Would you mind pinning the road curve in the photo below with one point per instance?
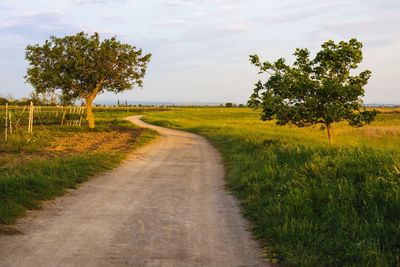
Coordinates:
(164, 206)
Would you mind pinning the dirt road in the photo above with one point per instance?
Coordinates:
(164, 206)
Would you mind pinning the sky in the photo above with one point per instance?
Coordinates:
(201, 48)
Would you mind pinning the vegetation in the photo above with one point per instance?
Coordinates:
(311, 203)
(82, 66)
(40, 166)
(314, 91)
(35, 98)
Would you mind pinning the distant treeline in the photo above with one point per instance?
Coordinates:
(56, 100)
(38, 99)
(23, 102)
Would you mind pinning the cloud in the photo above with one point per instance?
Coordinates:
(375, 31)
(80, 2)
(303, 14)
(230, 8)
(211, 33)
(34, 26)
(4, 7)
(373, 26)
(200, 15)
(172, 22)
(113, 19)
(238, 26)
(226, 4)
(382, 5)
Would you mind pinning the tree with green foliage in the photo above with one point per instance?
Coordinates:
(3, 101)
(83, 66)
(322, 90)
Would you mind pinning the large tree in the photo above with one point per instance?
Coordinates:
(82, 66)
(322, 90)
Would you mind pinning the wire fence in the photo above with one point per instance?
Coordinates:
(24, 118)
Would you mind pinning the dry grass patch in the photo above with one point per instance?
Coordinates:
(375, 131)
(74, 143)
(94, 142)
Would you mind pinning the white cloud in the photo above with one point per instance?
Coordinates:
(173, 22)
(230, 8)
(79, 2)
(33, 25)
(375, 31)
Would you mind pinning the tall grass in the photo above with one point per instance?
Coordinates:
(311, 203)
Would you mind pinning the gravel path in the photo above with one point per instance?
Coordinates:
(164, 206)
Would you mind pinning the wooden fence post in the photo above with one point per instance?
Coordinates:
(63, 116)
(82, 113)
(5, 131)
(30, 124)
(33, 111)
(9, 113)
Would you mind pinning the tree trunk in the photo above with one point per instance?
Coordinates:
(89, 104)
(89, 112)
(328, 128)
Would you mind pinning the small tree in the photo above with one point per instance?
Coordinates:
(82, 66)
(312, 91)
(3, 101)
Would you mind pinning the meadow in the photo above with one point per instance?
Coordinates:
(311, 203)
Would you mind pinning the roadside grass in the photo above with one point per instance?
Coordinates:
(32, 171)
(311, 203)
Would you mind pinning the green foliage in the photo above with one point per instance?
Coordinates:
(320, 90)
(80, 63)
(3, 101)
(20, 102)
(311, 203)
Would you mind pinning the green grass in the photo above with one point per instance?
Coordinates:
(311, 203)
(25, 186)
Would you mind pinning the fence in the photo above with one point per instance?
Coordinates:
(24, 118)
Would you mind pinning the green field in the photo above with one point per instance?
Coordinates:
(311, 203)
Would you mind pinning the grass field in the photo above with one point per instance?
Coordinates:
(311, 203)
(40, 166)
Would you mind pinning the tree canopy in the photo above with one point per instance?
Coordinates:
(82, 66)
(313, 91)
